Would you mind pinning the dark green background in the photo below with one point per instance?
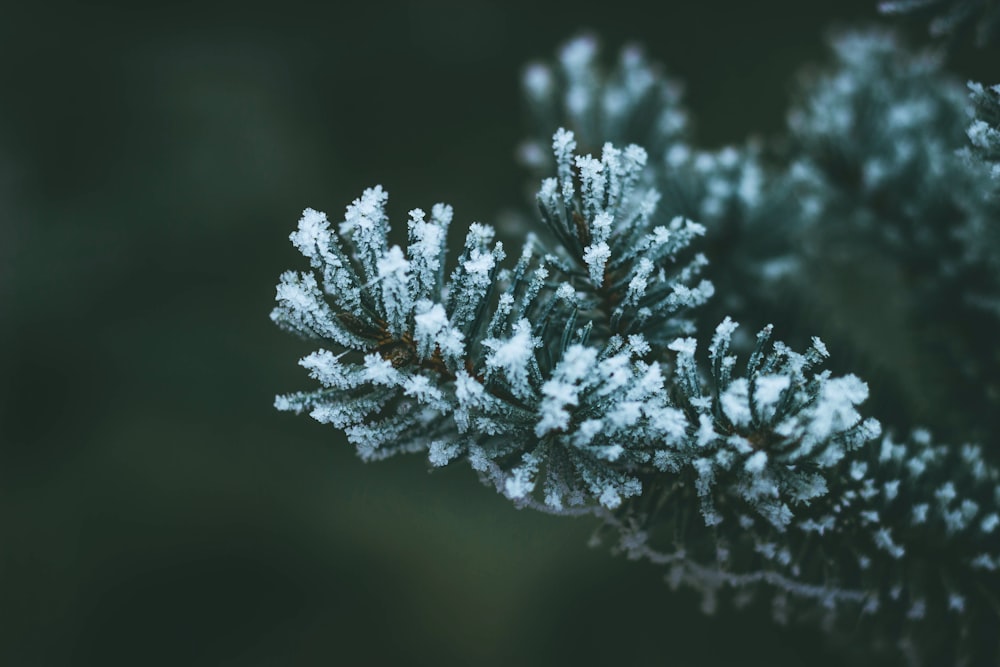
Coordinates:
(154, 508)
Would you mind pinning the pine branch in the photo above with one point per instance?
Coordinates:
(570, 378)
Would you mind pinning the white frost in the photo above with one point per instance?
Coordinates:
(513, 356)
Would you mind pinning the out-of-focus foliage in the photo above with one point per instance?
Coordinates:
(952, 17)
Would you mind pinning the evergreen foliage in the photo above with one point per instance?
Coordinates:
(886, 198)
(984, 131)
(570, 377)
(950, 17)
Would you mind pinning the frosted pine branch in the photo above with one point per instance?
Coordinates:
(890, 542)
(539, 368)
(570, 378)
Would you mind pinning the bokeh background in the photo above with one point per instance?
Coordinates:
(154, 508)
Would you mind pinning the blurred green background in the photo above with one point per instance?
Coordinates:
(154, 508)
